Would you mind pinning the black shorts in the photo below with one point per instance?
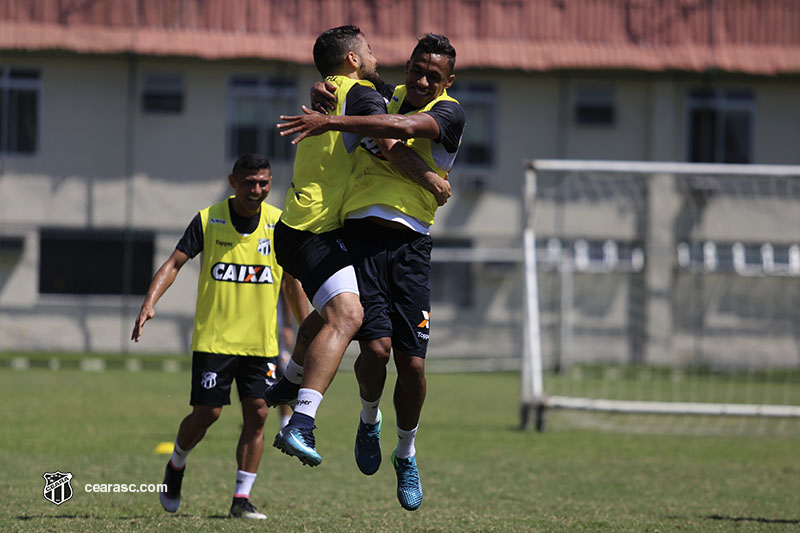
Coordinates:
(393, 267)
(213, 375)
(310, 257)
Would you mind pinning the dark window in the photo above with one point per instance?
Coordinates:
(480, 106)
(162, 93)
(255, 104)
(91, 261)
(594, 106)
(19, 110)
(451, 280)
(720, 126)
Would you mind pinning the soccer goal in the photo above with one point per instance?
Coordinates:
(661, 289)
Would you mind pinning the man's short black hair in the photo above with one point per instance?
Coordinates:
(433, 43)
(331, 48)
(249, 164)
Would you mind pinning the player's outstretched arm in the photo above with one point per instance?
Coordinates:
(414, 168)
(161, 282)
(376, 126)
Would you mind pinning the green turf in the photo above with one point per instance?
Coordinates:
(479, 472)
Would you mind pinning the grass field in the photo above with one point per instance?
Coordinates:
(480, 473)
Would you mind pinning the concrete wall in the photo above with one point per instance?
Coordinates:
(99, 153)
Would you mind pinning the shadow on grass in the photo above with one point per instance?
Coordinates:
(758, 519)
(86, 516)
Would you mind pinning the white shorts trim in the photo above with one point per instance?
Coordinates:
(342, 281)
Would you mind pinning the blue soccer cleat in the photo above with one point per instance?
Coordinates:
(298, 442)
(368, 446)
(282, 392)
(409, 486)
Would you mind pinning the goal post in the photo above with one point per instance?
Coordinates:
(673, 289)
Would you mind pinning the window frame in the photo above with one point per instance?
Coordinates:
(8, 83)
(595, 96)
(163, 84)
(264, 88)
(54, 240)
(478, 93)
(722, 101)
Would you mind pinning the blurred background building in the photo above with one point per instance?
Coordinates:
(119, 119)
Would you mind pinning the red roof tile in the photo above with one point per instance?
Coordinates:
(750, 36)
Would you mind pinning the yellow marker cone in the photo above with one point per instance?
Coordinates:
(164, 448)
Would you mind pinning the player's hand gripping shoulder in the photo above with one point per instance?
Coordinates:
(323, 97)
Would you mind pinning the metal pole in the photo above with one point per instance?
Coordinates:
(531, 368)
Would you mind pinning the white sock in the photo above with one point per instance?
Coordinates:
(370, 414)
(285, 420)
(405, 443)
(179, 456)
(308, 401)
(244, 483)
(293, 372)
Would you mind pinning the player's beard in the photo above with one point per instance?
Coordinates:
(372, 76)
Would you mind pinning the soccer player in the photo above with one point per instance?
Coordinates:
(387, 227)
(235, 324)
(308, 238)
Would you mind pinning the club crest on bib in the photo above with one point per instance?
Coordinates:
(264, 246)
(208, 380)
(57, 487)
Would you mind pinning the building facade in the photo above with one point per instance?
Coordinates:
(121, 118)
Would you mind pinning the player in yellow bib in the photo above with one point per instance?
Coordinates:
(235, 324)
(387, 223)
(308, 238)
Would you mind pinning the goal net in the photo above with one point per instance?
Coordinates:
(659, 290)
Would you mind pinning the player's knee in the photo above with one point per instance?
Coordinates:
(205, 415)
(410, 369)
(379, 350)
(348, 317)
(254, 412)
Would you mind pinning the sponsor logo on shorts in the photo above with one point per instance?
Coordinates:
(423, 336)
(208, 380)
(241, 273)
(213, 220)
(223, 243)
(264, 246)
(340, 242)
(271, 369)
(426, 319)
(57, 487)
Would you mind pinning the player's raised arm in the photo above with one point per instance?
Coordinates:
(392, 126)
(162, 281)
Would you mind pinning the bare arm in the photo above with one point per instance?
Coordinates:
(414, 168)
(376, 126)
(161, 282)
(295, 297)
